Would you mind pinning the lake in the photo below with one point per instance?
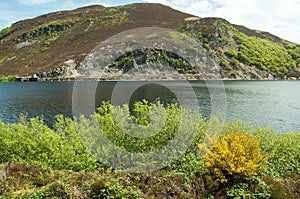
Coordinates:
(263, 103)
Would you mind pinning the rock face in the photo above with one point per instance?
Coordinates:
(67, 71)
(152, 64)
(54, 46)
(293, 75)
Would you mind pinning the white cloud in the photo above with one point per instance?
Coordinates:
(7, 16)
(279, 17)
(36, 2)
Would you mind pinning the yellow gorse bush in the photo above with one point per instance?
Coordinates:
(232, 156)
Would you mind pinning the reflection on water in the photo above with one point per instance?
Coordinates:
(264, 103)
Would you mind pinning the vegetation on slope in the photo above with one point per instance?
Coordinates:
(264, 54)
(234, 47)
(6, 31)
(48, 41)
(53, 163)
(294, 51)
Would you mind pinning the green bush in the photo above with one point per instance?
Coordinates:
(252, 188)
(234, 62)
(264, 54)
(283, 149)
(224, 63)
(131, 131)
(37, 144)
(294, 51)
(5, 32)
(231, 53)
(235, 156)
(10, 78)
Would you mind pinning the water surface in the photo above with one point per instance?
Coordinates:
(264, 103)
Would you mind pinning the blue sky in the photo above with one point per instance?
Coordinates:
(280, 17)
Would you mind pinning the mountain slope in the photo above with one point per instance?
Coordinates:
(48, 44)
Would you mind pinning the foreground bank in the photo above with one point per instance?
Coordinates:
(43, 162)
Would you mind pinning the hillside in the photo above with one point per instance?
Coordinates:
(54, 45)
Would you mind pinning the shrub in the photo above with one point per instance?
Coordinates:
(253, 187)
(283, 149)
(233, 73)
(111, 188)
(231, 53)
(224, 63)
(243, 58)
(232, 157)
(131, 131)
(9, 78)
(265, 54)
(35, 143)
(6, 31)
(234, 62)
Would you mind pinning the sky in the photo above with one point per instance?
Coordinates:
(279, 17)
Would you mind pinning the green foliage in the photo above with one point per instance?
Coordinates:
(264, 54)
(231, 53)
(235, 156)
(47, 32)
(6, 31)
(50, 27)
(244, 190)
(10, 78)
(224, 63)
(284, 152)
(294, 51)
(131, 130)
(216, 35)
(37, 144)
(234, 62)
(113, 189)
(243, 58)
(233, 73)
(111, 16)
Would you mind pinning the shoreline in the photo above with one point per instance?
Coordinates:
(154, 80)
(139, 80)
(162, 78)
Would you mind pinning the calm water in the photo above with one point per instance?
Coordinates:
(264, 103)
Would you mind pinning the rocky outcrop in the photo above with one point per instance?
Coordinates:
(52, 46)
(293, 75)
(149, 64)
(45, 30)
(66, 71)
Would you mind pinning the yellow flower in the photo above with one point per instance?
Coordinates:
(233, 156)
